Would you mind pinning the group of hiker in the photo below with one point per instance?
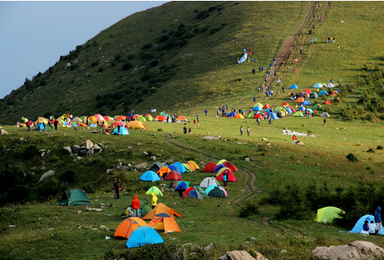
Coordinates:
(373, 227)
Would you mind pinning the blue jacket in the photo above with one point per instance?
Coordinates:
(378, 215)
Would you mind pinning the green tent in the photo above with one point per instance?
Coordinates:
(141, 119)
(201, 190)
(251, 115)
(317, 106)
(145, 207)
(75, 197)
(298, 113)
(328, 214)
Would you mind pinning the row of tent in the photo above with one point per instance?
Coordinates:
(329, 214)
(211, 185)
(317, 85)
(173, 171)
(139, 233)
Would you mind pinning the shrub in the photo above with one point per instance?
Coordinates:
(370, 150)
(127, 65)
(147, 46)
(202, 15)
(88, 188)
(101, 69)
(379, 147)
(152, 252)
(94, 64)
(117, 57)
(351, 157)
(154, 63)
(249, 208)
(163, 38)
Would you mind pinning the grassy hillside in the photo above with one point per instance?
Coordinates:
(188, 55)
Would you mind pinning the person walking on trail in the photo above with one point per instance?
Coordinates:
(116, 188)
(154, 200)
(206, 112)
(301, 50)
(197, 117)
(135, 206)
(325, 121)
(248, 131)
(241, 130)
(295, 69)
(274, 61)
(378, 220)
(294, 139)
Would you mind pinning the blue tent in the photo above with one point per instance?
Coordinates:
(301, 109)
(180, 166)
(306, 103)
(218, 167)
(182, 186)
(268, 110)
(274, 116)
(359, 224)
(293, 86)
(195, 194)
(123, 131)
(175, 168)
(289, 110)
(232, 114)
(142, 236)
(322, 93)
(257, 108)
(149, 176)
(40, 127)
(318, 85)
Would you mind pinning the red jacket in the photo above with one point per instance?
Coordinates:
(135, 203)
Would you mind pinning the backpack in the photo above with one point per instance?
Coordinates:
(119, 185)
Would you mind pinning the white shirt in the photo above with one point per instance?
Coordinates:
(372, 228)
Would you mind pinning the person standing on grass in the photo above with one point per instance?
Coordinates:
(116, 188)
(248, 131)
(135, 206)
(325, 121)
(194, 123)
(197, 117)
(241, 130)
(225, 179)
(258, 121)
(206, 112)
(378, 220)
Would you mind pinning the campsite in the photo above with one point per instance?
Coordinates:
(281, 199)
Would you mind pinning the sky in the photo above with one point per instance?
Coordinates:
(33, 35)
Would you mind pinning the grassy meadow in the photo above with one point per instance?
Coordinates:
(321, 159)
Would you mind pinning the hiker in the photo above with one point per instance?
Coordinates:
(270, 120)
(225, 179)
(154, 200)
(118, 128)
(325, 121)
(55, 123)
(338, 47)
(282, 89)
(254, 71)
(28, 125)
(116, 188)
(190, 131)
(294, 139)
(135, 206)
(301, 50)
(258, 121)
(378, 220)
(365, 230)
(315, 40)
(197, 117)
(241, 130)
(295, 69)
(194, 123)
(372, 228)
(248, 131)
(185, 130)
(274, 61)
(206, 112)
(254, 99)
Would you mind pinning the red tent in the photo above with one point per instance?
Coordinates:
(259, 115)
(187, 191)
(327, 102)
(230, 166)
(173, 176)
(210, 167)
(230, 175)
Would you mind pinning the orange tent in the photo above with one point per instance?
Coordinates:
(85, 125)
(119, 118)
(136, 125)
(239, 116)
(163, 170)
(108, 118)
(335, 93)
(135, 117)
(161, 118)
(164, 222)
(92, 118)
(181, 118)
(161, 208)
(300, 100)
(327, 102)
(308, 91)
(128, 225)
(194, 165)
(285, 104)
(266, 106)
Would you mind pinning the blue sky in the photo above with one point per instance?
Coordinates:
(33, 35)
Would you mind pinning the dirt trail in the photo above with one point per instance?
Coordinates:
(288, 50)
(251, 188)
